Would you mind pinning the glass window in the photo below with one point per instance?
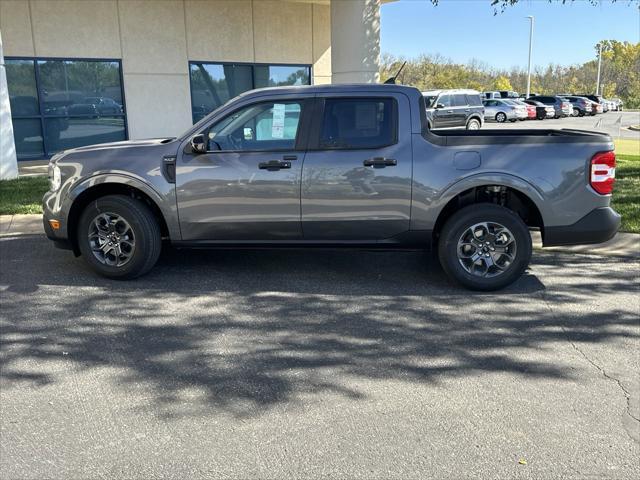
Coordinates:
(358, 123)
(213, 84)
(28, 137)
(21, 81)
(82, 104)
(80, 87)
(460, 100)
(446, 100)
(278, 76)
(260, 126)
(474, 100)
(71, 132)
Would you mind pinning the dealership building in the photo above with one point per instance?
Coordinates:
(81, 72)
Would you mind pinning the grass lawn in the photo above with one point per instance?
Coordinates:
(626, 192)
(23, 195)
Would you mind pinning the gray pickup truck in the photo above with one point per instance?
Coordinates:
(344, 165)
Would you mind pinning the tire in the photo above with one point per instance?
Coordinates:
(513, 120)
(501, 117)
(137, 237)
(458, 228)
(473, 124)
(576, 113)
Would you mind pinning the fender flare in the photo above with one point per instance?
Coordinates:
(169, 213)
(493, 178)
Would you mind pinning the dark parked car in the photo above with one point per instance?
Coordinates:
(597, 99)
(562, 107)
(542, 111)
(454, 108)
(509, 94)
(339, 165)
(105, 105)
(581, 106)
(87, 109)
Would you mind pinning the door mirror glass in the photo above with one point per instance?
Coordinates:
(248, 133)
(199, 144)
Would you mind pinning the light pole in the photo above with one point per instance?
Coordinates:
(530, 17)
(599, 65)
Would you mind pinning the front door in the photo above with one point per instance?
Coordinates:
(443, 116)
(356, 178)
(247, 185)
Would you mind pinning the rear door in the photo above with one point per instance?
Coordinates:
(461, 110)
(356, 177)
(247, 185)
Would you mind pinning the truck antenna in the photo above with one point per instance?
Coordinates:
(392, 80)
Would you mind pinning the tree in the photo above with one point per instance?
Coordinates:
(504, 4)
(502, 83)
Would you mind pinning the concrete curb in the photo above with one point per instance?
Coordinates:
(622, 245)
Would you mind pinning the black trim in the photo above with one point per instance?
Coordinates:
(597, 226)
(410, 240)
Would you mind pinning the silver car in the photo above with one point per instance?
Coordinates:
(500, 110)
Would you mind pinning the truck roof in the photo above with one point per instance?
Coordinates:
(467, 91)
(334, 88)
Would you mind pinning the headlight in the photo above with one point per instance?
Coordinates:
(55, 178)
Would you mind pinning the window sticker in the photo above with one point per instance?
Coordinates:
(277, 124)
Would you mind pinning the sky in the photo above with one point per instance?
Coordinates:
(467, 29)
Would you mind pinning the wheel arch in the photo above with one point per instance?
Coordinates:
(510, 192)
(97, 187)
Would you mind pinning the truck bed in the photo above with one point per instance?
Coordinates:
(494, 136)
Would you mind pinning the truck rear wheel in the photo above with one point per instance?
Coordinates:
(119, 237)
(484, 247)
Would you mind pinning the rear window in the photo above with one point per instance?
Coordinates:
(474, 100)
(459, 100)
(358, 123)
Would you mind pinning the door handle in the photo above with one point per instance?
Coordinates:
(449, 111)
(380, 162)
(274, 165)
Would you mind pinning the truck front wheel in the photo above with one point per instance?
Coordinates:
(119, 237)
(484, 247)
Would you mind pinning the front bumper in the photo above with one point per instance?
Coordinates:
(597, 226)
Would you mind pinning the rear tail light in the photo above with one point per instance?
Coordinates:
(603, 172)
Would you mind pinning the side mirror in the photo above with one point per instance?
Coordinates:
(199, 144)
(440, 105)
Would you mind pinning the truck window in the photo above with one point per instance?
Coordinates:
(358, 123)
(260, 126)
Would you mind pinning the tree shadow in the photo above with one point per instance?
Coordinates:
(241, 331)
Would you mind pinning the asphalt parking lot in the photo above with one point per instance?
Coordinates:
(613, 123)
(324, 363)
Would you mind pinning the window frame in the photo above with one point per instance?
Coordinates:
(42, 117)
(299, 144)
(253, 75)
(318, 121)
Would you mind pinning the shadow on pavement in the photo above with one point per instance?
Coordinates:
(252, 329)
